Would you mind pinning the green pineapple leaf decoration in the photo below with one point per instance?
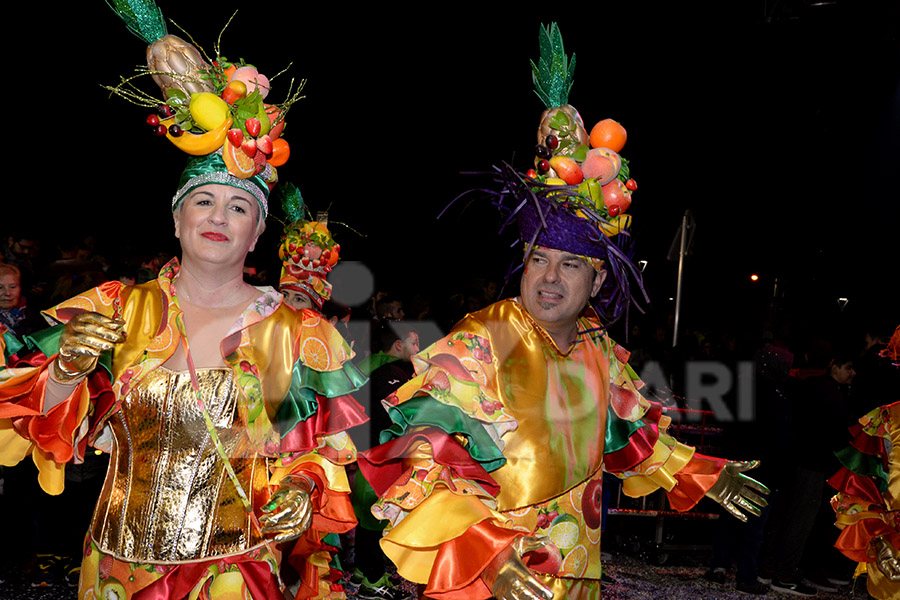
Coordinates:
(554, 73)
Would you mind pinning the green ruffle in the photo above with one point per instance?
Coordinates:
(866, 465)
(47, 341)
(618, 431)
(424, 411)
(11, 344)
(301, 401)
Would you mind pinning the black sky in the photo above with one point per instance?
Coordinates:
(774, 123)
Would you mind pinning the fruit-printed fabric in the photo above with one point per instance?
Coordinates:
(501, 434)
(868, 500)
(288, 380)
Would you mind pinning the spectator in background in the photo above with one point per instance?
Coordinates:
(389, 367)
(15, 314)
(389, 308)
(820, 413)
(877, 380)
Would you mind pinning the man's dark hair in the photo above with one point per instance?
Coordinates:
(386, 333)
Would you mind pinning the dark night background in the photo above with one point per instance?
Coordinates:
(774, 123)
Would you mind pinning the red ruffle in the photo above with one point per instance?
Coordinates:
(640, 444)
(865, 443)
(456, 574)
(383, 465)
(181, 579)
(333, 416)
(855, 485)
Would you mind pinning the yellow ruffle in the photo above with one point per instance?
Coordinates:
(664, 463)
(336, 475)
(414, 542)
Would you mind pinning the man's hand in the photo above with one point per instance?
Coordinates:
(509, 579)
(83, 339)
(886, 558)
(289, 512)
(737, 492)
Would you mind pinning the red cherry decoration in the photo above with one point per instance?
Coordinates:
(631, 184)
(175, 130)
(160, 130)
(166, 111)
(552, 142)
(543, 165)
(152, 120)
(613, 211)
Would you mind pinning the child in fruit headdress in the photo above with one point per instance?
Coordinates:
(491, 475)
(224, 410)
(308, 253)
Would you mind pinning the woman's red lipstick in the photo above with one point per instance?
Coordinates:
(214, 236)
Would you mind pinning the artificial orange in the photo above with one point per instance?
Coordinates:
(281, 151)
(608, 134)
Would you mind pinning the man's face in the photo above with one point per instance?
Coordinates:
(394, 311)
(410, 346)
(556, 286)
(844, 373)
(23, 247)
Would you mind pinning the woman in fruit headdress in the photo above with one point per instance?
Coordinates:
(491, 474)
(308, 253)
(224, 410)
(867, 504)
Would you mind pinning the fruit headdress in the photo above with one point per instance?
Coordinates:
(308, 251)
(213, 109)
(576, 197)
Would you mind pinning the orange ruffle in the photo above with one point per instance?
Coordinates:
(694, 480)
(456, 574)
(332, 510)
(854, 539)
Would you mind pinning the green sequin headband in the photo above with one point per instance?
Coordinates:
(203, 170)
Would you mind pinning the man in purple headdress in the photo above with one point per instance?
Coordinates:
(496, 455)
(491, 475)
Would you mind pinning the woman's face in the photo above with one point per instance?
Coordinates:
(217, 224)
(10, 291)
(297, 300)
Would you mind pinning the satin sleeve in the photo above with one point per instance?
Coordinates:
(61, 435)
(639, 450)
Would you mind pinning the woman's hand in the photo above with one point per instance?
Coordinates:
(510, 579)
(289, 512)
(83, 339)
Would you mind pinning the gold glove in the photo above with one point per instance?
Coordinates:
(510, 579)
(83, 339)
(289, 512)
(735, 491)
(886, 558)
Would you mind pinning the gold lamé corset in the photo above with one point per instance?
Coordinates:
(167, 496)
